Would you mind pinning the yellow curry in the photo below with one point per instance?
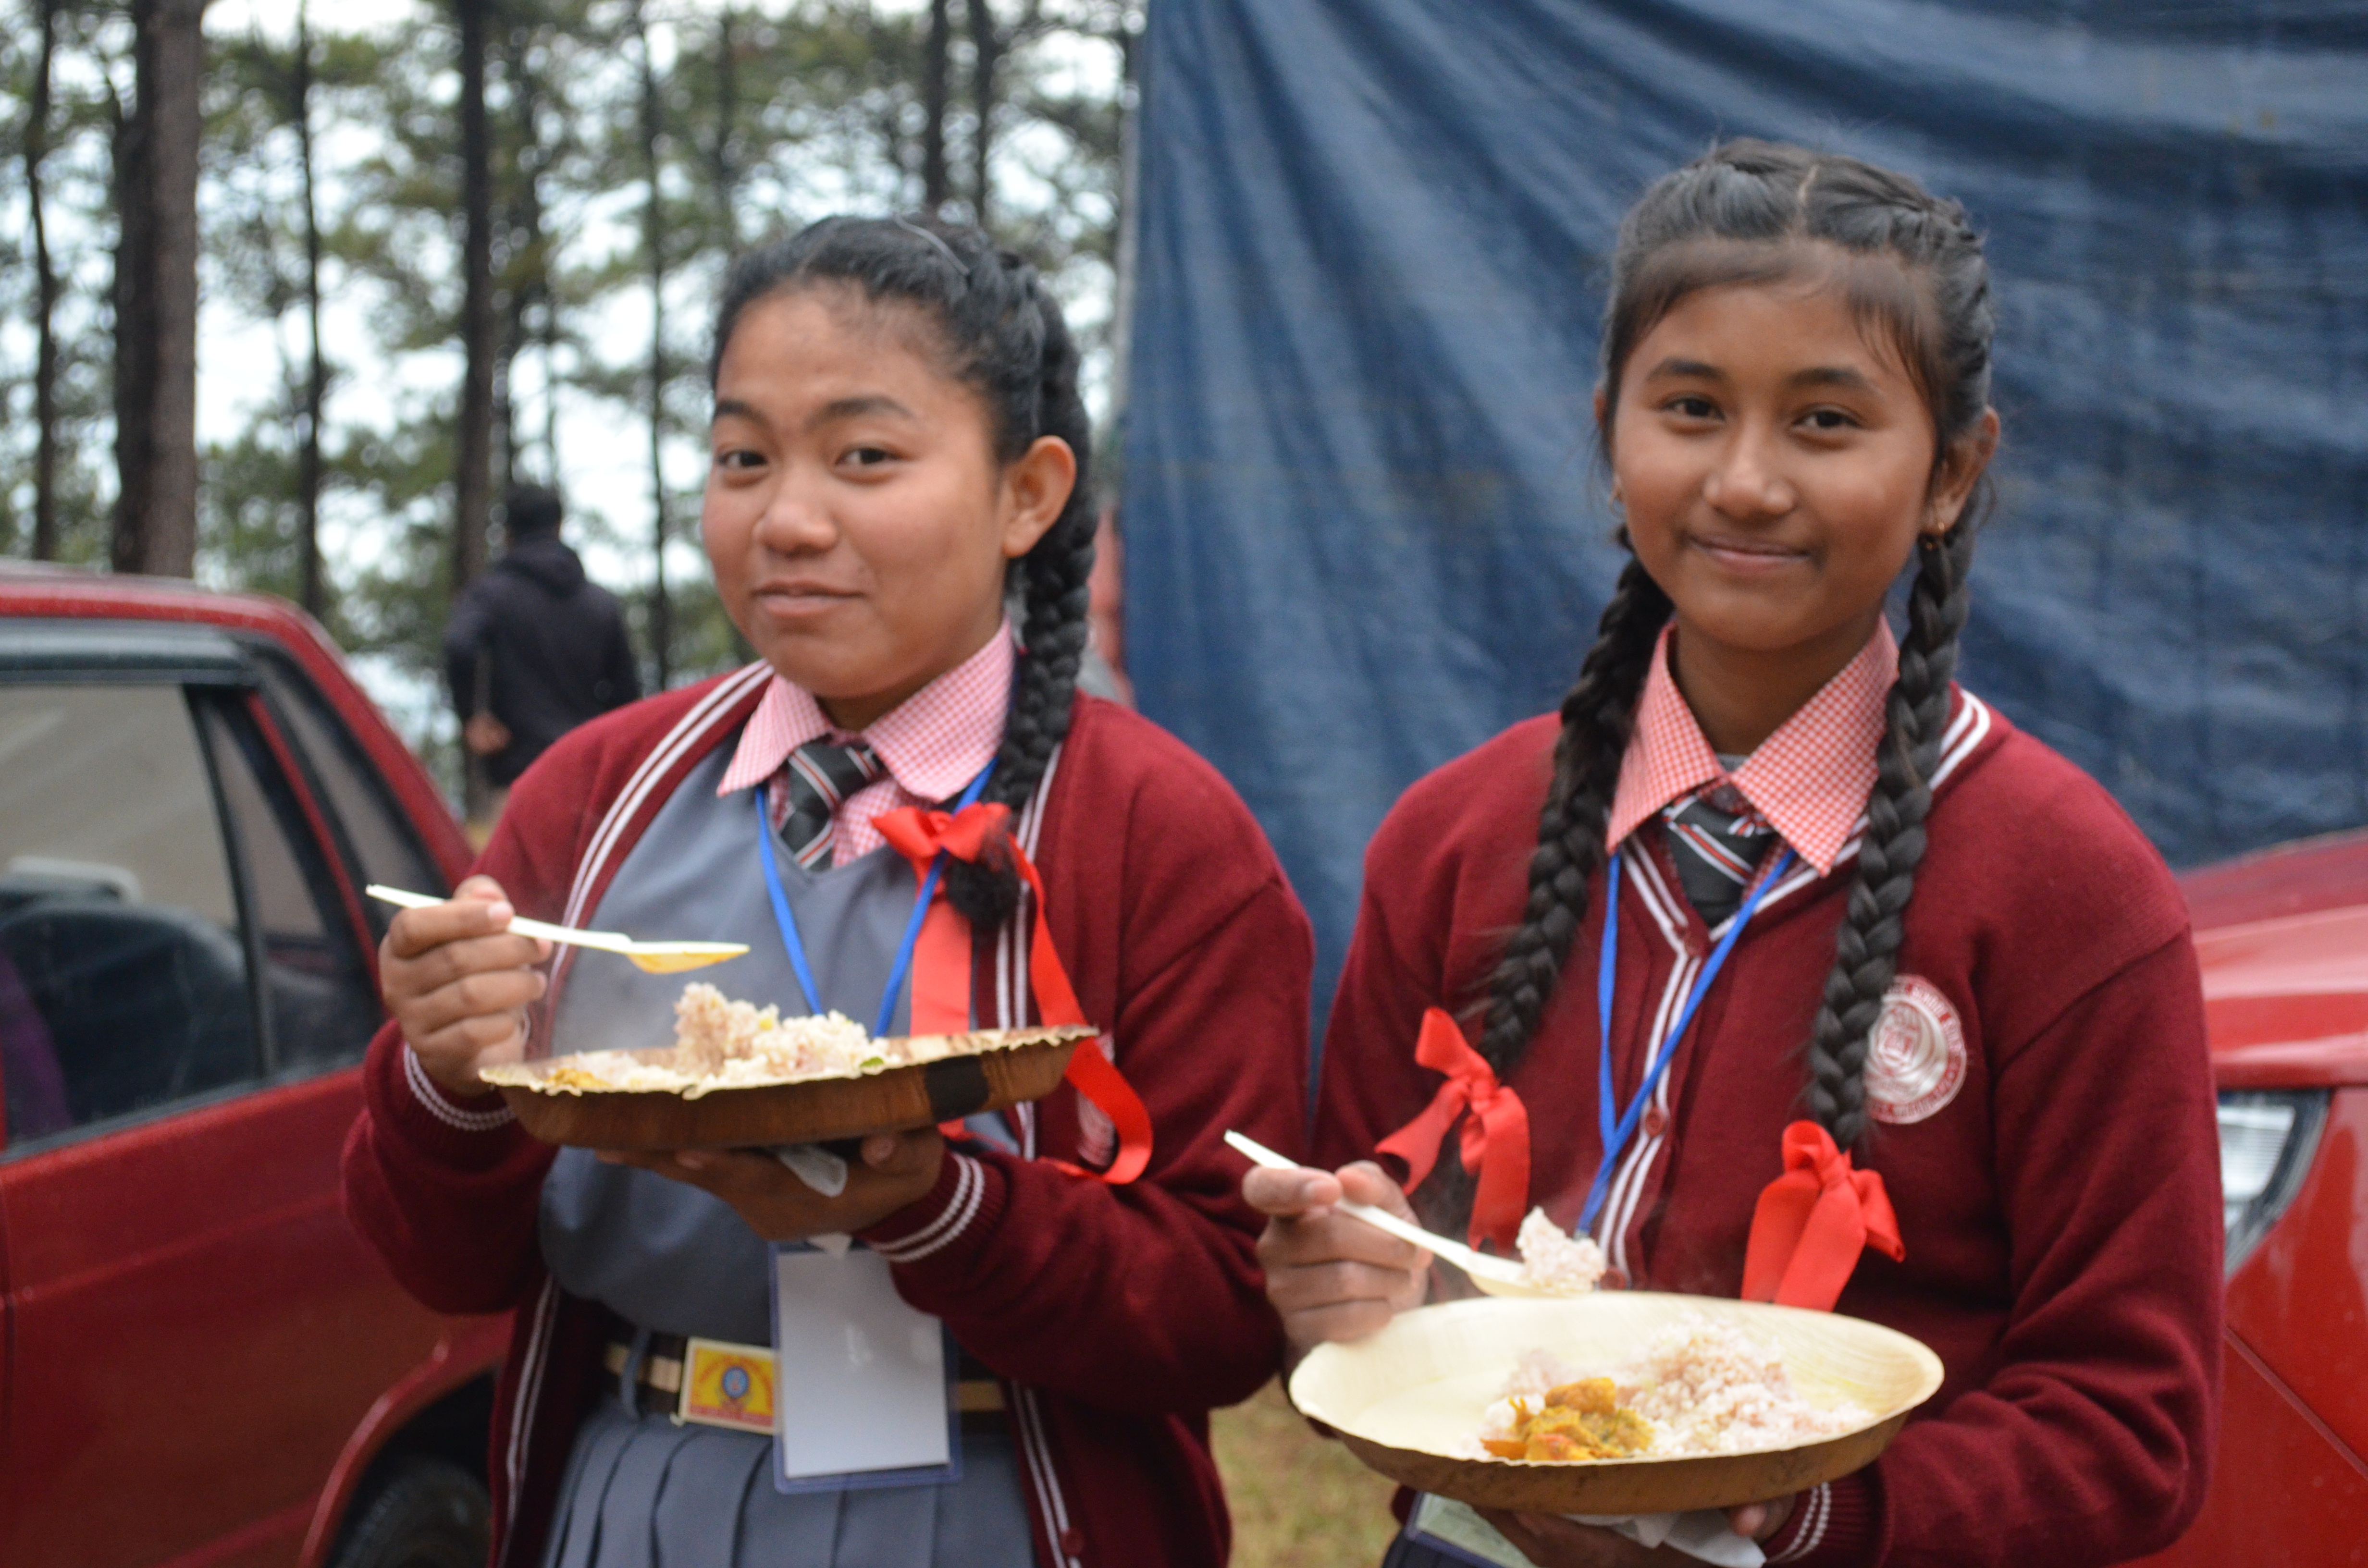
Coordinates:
(1578, 1420)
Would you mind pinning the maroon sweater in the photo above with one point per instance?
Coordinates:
(1116, 1316)
(2061, 1213)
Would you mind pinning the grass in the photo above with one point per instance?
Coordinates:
(1299, 1501)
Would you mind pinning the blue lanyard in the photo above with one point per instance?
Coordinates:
(1617, 1133)
(788, 921)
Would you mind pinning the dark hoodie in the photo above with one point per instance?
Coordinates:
(553, 649)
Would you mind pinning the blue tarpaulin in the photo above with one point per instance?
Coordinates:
(1365, 524)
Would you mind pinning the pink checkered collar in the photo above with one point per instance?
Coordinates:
(1810, 778)
(934, 742)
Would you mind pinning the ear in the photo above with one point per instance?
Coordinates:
(1036, 487)
(1962, 467)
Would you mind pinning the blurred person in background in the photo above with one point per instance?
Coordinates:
(534, 647)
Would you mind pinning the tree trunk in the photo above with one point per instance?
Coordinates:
(937, 187)
(527, 274)
(45, 301)
(157, 295)
(723, 158)
(654, 242)
(986, 55)
(1127, 256)
(316, 373)
(473, 481)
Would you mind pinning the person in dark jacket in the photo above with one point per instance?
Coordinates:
(534, 648)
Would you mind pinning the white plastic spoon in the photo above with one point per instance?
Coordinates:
(655, 958)
(1497, 1275)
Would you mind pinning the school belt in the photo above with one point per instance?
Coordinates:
(660, 1381)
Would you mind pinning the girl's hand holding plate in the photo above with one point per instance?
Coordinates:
(460, 984)
(1331, 1276)
(892, 1171)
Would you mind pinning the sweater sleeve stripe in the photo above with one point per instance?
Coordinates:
(436, 1103)
(1814, 1511)
(962, 1207)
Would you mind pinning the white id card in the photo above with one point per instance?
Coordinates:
(864, 1395)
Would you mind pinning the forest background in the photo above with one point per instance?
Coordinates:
(419, 250)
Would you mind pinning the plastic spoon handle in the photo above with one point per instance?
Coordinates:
(608, 941)
(1479, 1265)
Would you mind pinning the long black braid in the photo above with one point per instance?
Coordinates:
(1003, 335)
(1596, 718)
(1866, 950)
(1755, 211)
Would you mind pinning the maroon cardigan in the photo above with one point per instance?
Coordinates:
(1116, 1316)
(2061, 1214)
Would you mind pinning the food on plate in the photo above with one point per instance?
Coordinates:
(1699, 1387)
(722, 1044)
(1555, 1261)
(713, 1036)
(1578, 1420)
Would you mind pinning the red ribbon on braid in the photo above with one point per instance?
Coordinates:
(1495, 1139)
(1812, 1222)
(981, 830)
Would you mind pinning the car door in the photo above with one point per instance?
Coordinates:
(184, 986)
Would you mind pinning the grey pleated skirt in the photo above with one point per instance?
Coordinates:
(641, 1492)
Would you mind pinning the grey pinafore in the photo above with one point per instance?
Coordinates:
(641, 1492)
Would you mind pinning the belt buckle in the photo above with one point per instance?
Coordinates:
(726, 1385)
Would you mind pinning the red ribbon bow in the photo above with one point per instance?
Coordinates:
(976, 830)
(1812, 1222)
(918, 835)
(1495, 1138)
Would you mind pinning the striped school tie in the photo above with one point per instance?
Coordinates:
(815, 782)
(1718, 842)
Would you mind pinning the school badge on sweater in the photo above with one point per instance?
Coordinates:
(1915, 1063)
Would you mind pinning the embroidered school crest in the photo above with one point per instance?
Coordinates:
(1918, 1062)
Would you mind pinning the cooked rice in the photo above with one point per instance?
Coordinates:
(722, 1044)
(1556, 1261)
(1706, 1386)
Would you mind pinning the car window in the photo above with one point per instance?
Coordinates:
(123, 975)
(320, 998)
(379, 838)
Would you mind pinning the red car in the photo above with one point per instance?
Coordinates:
(203, 1364)
(2283, 937)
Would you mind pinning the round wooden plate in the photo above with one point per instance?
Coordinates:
(958, 1075)
(1408, 1400)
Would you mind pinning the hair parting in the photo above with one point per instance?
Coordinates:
(1002, 334)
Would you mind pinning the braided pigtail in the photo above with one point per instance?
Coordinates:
(1053, 580)
(1866, 950)
(1596, 716)
(1001, 333)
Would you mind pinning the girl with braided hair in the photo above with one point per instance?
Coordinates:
(899, 453)
(1775, 920)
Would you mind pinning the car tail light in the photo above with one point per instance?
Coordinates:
(2267, 1140)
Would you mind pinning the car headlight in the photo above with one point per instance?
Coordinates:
(2267, 1138)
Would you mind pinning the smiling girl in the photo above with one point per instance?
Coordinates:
(898, 443)
(1772, 895)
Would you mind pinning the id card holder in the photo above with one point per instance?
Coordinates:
(1453, 1531)
(864, 1395)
